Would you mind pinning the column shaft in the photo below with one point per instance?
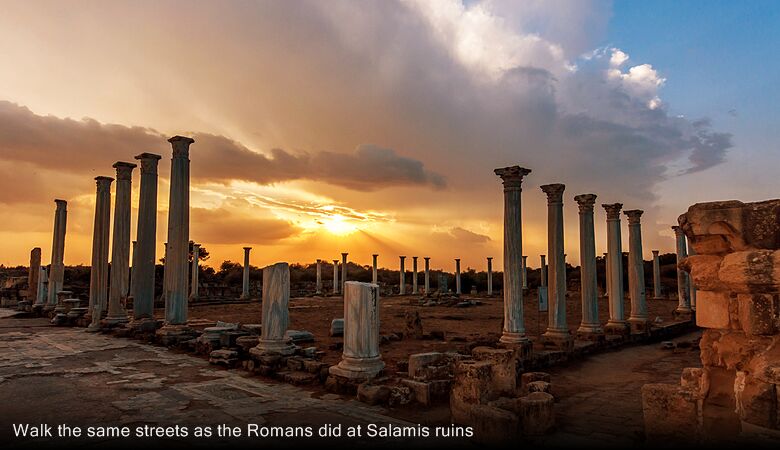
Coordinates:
(636, 273)
(414, 275)
(402, 277)
(57, 269)
(361, 358)
(489, 276)
(617, 322)
(656, 275)
(335, 277)
(589, 283)
(457, 277)
(343, 270)
(245, 278)
(374, 273)
(319, 277)
(194, 292)
(98, 273)
(683, 289)
(427, 275)
(120, 248)
(557, 328)
(275, 311)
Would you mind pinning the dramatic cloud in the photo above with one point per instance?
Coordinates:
(224, 226)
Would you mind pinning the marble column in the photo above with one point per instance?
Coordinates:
(245, 278)
(178, 233)
(120, 248)
(98, 272)
(133, 265)
(514, 326)
(275, 312)
(402, 277)
(335, 277)
(319, 277)
(683, 286)
(489, 276)
(57, 269)
(414, 275)
(557, 329)
(589, 326)
(606, 275)
(543, 271)
(361, 359)
(343, 270)
(691, 286)
(636, 273)
(42, 283)
(617, 323)
(525, 272)
(656, 276)
(194, 292)
(32, 275)
(457, 277)
(374, 273)
(146, 235)
(427, 275)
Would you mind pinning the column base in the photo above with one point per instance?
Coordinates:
(558, 339)
(358, 368)
(114, 320)
(279, 347)
(174, 334)
(590, 332)
(683, 313)
(143, 325)
(639, 325)
(510, 337)
(619, 327)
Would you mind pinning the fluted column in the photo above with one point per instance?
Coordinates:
(691, 285)
(178, 232)
(275, 311)
(636, 273)
(343, 270)
(194, 292)
(335, 277)
(514, 326)
(414, 275)
(319, 277)
(525, 272)
(457, 276)
(120, 248)
(489, 276)
(374, 272)
(146, 235)
(245, 278)
(427, 275)
(98, 273)
(557, 329)
(543, 271)
(402, 277)
(683, 287)
(589, 326)
(617, 322)
(361, 359)
(57, 269)
(656, 276)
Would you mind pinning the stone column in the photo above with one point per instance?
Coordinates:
(133, 265)
(42, 283)
(691, 285)
(98, 272)
(120, 248)
(525, 272)
(514, 326)
(32, 275)
(683, 287)
(343, 270)
(636, 274)
(319, 277)
(414, 275)
(245, 279)
(490, 276)
(57, 269)
(335, 277)
(589, 326)
(276, 300)
(427, 275)
(617, 323)
(557, 333)
(606, 276)
(146, 235)
(543, 271)
(402, 278)
(178, 233)
(194, 288)
(361, 359)
(457, 276)
(166, 283)
(374, 273)
(656, 276)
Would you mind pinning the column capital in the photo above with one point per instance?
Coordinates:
(103, 183)
(655, 252)
(427, 258)
(61, 203)
(375, 255)
(319, 261)
(181, 146)
(414, 258)
(148, 162)
(402, 257)
(195, 245)
(335, 261)
(489, 257)
(512, 176)
(634, 216)
(677, 230)
(585, 202)
(457, 259)
(613, 210)
(344, 255)
(246, 249)
(124, 170)
(554, 192)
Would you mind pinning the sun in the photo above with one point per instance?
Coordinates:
(338, 225)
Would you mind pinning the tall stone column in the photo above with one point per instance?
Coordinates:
(617, 323)
(319, 277)
(178, 233)
(98, 272)
(146, 235)
(543, 271)
(636, 274)
(194, 292)
(525, 272)
(457, 276)
(489, 276)
(414, 275)
(656, 276)
(120, 249)
(335, 277)
(275, 310)
(402, 278)
(691, 285)
(606, 276)
(245, 278)
(343, 270)
(683, 288)
(57, 269)
(361, 359)
(514, 326)
(374, 273)
(557, 333)
(589, 326)
(32, 275)
(427, 275)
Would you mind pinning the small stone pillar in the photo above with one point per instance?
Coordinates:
(245, 278)
(43, 281)
(276, 300)
(98, 272)
(427, 275)
(636, 274)
(374, 272)
(514, 326)
(525, 272)
(120, 248)
(656, 276)
(57, 269)
(32, 275)
(146, 235)
(402, 277)
(590, 327)
(335, 277)
(318, 288)
(683, 310)
(194, 294)
(557, 333)
(490, 275)
(343, 270)
(361, 359)
(457, 277)
(414, 276)
(617, 323)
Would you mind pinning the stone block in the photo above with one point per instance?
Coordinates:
(670, 413)
(712, 309)
(757, 313)
(473, 381)
(748, 271)
(337, 327)
(756, 401)
(529, 377)
(491, 424)
(539, 386)
(691, 379)
(503, 368)
(537, 413)
(373, 395)
(418, 361)
(704, 271)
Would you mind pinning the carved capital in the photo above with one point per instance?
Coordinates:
(512, 176)
(124, 170)
(181, 146)
(554, 192)
(613, 210)
(103, 183)
(148, 162)
(585, 202)
(634, 216)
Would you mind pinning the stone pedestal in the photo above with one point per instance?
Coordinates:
(590, 324)
(276, 300)
(361, 358)
(636, 274)
(245, 278)
(120, 249)
(617, 323)
(146, 236)
(557, 333)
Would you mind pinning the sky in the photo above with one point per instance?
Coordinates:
(374, 127)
